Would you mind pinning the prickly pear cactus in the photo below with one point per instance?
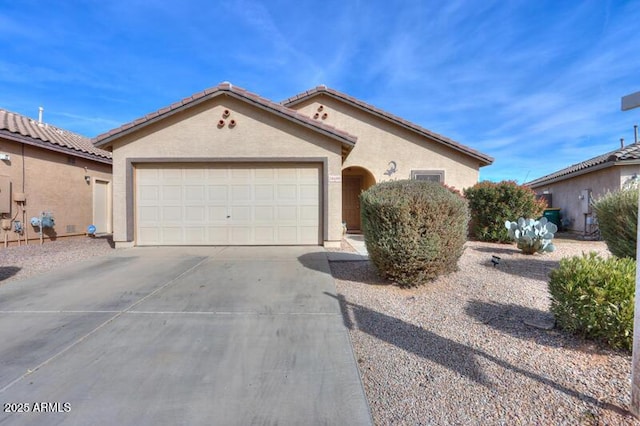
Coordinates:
(532, 236)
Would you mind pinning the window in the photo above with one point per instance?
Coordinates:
(428, 175)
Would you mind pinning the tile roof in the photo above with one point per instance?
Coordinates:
(620, 155)
(486, 159)
(237, 92)
(24, 129)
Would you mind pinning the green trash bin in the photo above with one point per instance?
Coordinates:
(553, 216)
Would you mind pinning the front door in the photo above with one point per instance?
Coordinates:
(101, 206)
(351, 188)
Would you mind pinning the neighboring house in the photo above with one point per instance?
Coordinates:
(227, 167)
(47, 169)
(573, 188)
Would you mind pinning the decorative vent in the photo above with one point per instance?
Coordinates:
(71, 160)
(71, 229)
(428, 175)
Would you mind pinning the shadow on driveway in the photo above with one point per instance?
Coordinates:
(8, 272)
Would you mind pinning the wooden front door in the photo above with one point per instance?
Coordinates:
(351, 188)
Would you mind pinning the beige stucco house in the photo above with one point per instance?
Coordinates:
(573, 188)
(47, 169)
(228, 167)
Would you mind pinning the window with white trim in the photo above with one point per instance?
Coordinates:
(428, 175)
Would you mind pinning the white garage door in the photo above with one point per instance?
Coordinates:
(232, 204)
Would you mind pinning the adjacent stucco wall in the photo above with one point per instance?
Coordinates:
(381, 141)
(194, 133)
(53, 182)
(566, 194)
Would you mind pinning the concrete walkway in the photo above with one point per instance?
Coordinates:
(357, 242)
(194, 336)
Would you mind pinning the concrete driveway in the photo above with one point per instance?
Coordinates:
(167, 336)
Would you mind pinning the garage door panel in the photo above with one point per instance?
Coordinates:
(149, 193)
(241, 175)
(218, 213)
(148, 176)
(240, 193)
(240, 235)
(233, 204)
(218, 235)
(309, 214)
(308, 175)
(195, 213)
(287, 192)
(171, 235)
(194, 175)
(264, 214)
(149, 233)
(194, 193)
(171, 193)
(287, 174)
(265, 234)
(287, 213)
(288, 234)
(264, 174)
(148, 214)
(308, 234)
(171, 214)
(240, 214)
(264, 192)
(309, 193)
(218, 194)
(171, 174)
(197, 235)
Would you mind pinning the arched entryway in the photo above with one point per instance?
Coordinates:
(354, 180)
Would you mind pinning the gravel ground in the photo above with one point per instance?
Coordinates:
(475, 347)
(19, 262)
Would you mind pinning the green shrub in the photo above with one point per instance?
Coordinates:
(414, 230)
(617, 214)
(594, 297)
(492, 204)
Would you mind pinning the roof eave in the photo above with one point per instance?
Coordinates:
(107, 141)
(485, 160)
(15, 137)
(595, 168)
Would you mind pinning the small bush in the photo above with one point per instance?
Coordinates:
(414, 230)
(594, 297)
(617, 214)
(492, 204)
(532, 236)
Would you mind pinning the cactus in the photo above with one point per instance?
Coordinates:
(532, 236)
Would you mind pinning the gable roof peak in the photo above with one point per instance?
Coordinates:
(230, 90)
(371, 109)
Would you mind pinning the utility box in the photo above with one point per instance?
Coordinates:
(5, 195)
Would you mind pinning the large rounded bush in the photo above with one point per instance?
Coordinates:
(414, 230)
(594, 297)
(492, 204)
(617, 214)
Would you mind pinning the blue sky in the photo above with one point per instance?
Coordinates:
(535, 84)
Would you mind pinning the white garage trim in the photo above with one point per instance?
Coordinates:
(248, 221)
